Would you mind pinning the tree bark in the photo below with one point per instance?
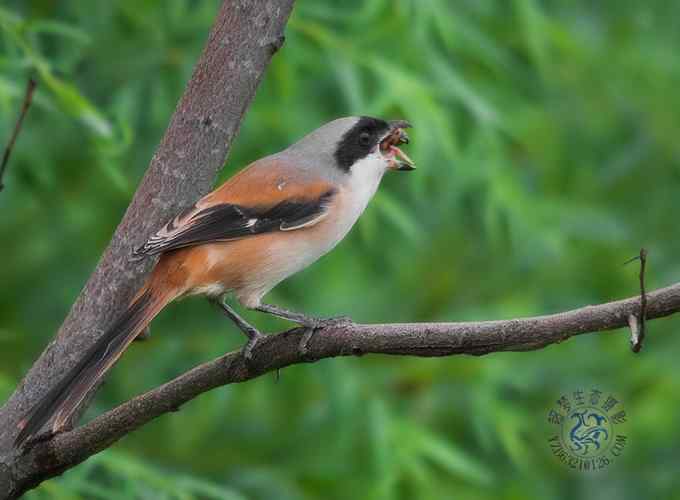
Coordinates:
(240, 45)
(68, 449)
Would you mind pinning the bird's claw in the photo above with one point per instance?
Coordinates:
(337, 321)
(315, 324)
(247, 350)
(303, 346)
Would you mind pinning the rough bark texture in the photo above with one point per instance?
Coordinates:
(65, 450)
(241, 43)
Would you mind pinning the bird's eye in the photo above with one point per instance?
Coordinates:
(364, 138)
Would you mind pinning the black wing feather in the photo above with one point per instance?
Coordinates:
(226, 221)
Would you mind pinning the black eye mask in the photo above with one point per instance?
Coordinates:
(358, 142)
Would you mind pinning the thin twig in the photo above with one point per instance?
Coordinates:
(28, 98)
(637, 323)
(636, 346)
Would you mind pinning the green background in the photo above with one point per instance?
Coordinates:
(546, 133)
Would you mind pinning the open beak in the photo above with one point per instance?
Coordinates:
(389, 146)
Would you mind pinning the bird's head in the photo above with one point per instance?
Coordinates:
(360, 142)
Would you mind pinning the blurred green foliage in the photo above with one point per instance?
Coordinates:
(547, 138)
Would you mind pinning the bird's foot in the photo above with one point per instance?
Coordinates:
(311, 323)
(336, 321)
(315, 324)
(253, 334)
(303, 346)
(254, 337)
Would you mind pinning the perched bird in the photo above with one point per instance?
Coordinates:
(272, 219)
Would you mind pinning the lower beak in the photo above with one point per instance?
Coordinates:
(402, 166)
(400, 160)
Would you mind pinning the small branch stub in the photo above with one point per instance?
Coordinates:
(634, 326)
(637, 322)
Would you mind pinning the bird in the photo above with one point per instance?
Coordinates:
(272, 219)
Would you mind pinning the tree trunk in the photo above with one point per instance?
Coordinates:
(241, 43)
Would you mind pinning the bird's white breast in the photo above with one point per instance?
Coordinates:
(347, 206)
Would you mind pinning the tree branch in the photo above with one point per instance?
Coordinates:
(65, 450)
(241, 43)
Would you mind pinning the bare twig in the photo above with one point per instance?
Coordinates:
(28, 98)
(638, 323)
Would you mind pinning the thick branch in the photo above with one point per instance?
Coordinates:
(242, 41)
(344, 339)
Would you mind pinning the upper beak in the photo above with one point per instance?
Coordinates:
(396, 137)
(400, 124)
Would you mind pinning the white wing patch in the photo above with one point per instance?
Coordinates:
(304, 223)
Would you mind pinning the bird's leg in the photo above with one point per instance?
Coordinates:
(302, 319)
(310, 322)
(248, 330)
(295, 317)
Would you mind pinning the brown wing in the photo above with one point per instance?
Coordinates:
(267, 196)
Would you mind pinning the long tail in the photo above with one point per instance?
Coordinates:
(62, 400)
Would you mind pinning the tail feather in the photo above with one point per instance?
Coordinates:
(64, 398)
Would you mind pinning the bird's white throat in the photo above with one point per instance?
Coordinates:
(364, 179)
